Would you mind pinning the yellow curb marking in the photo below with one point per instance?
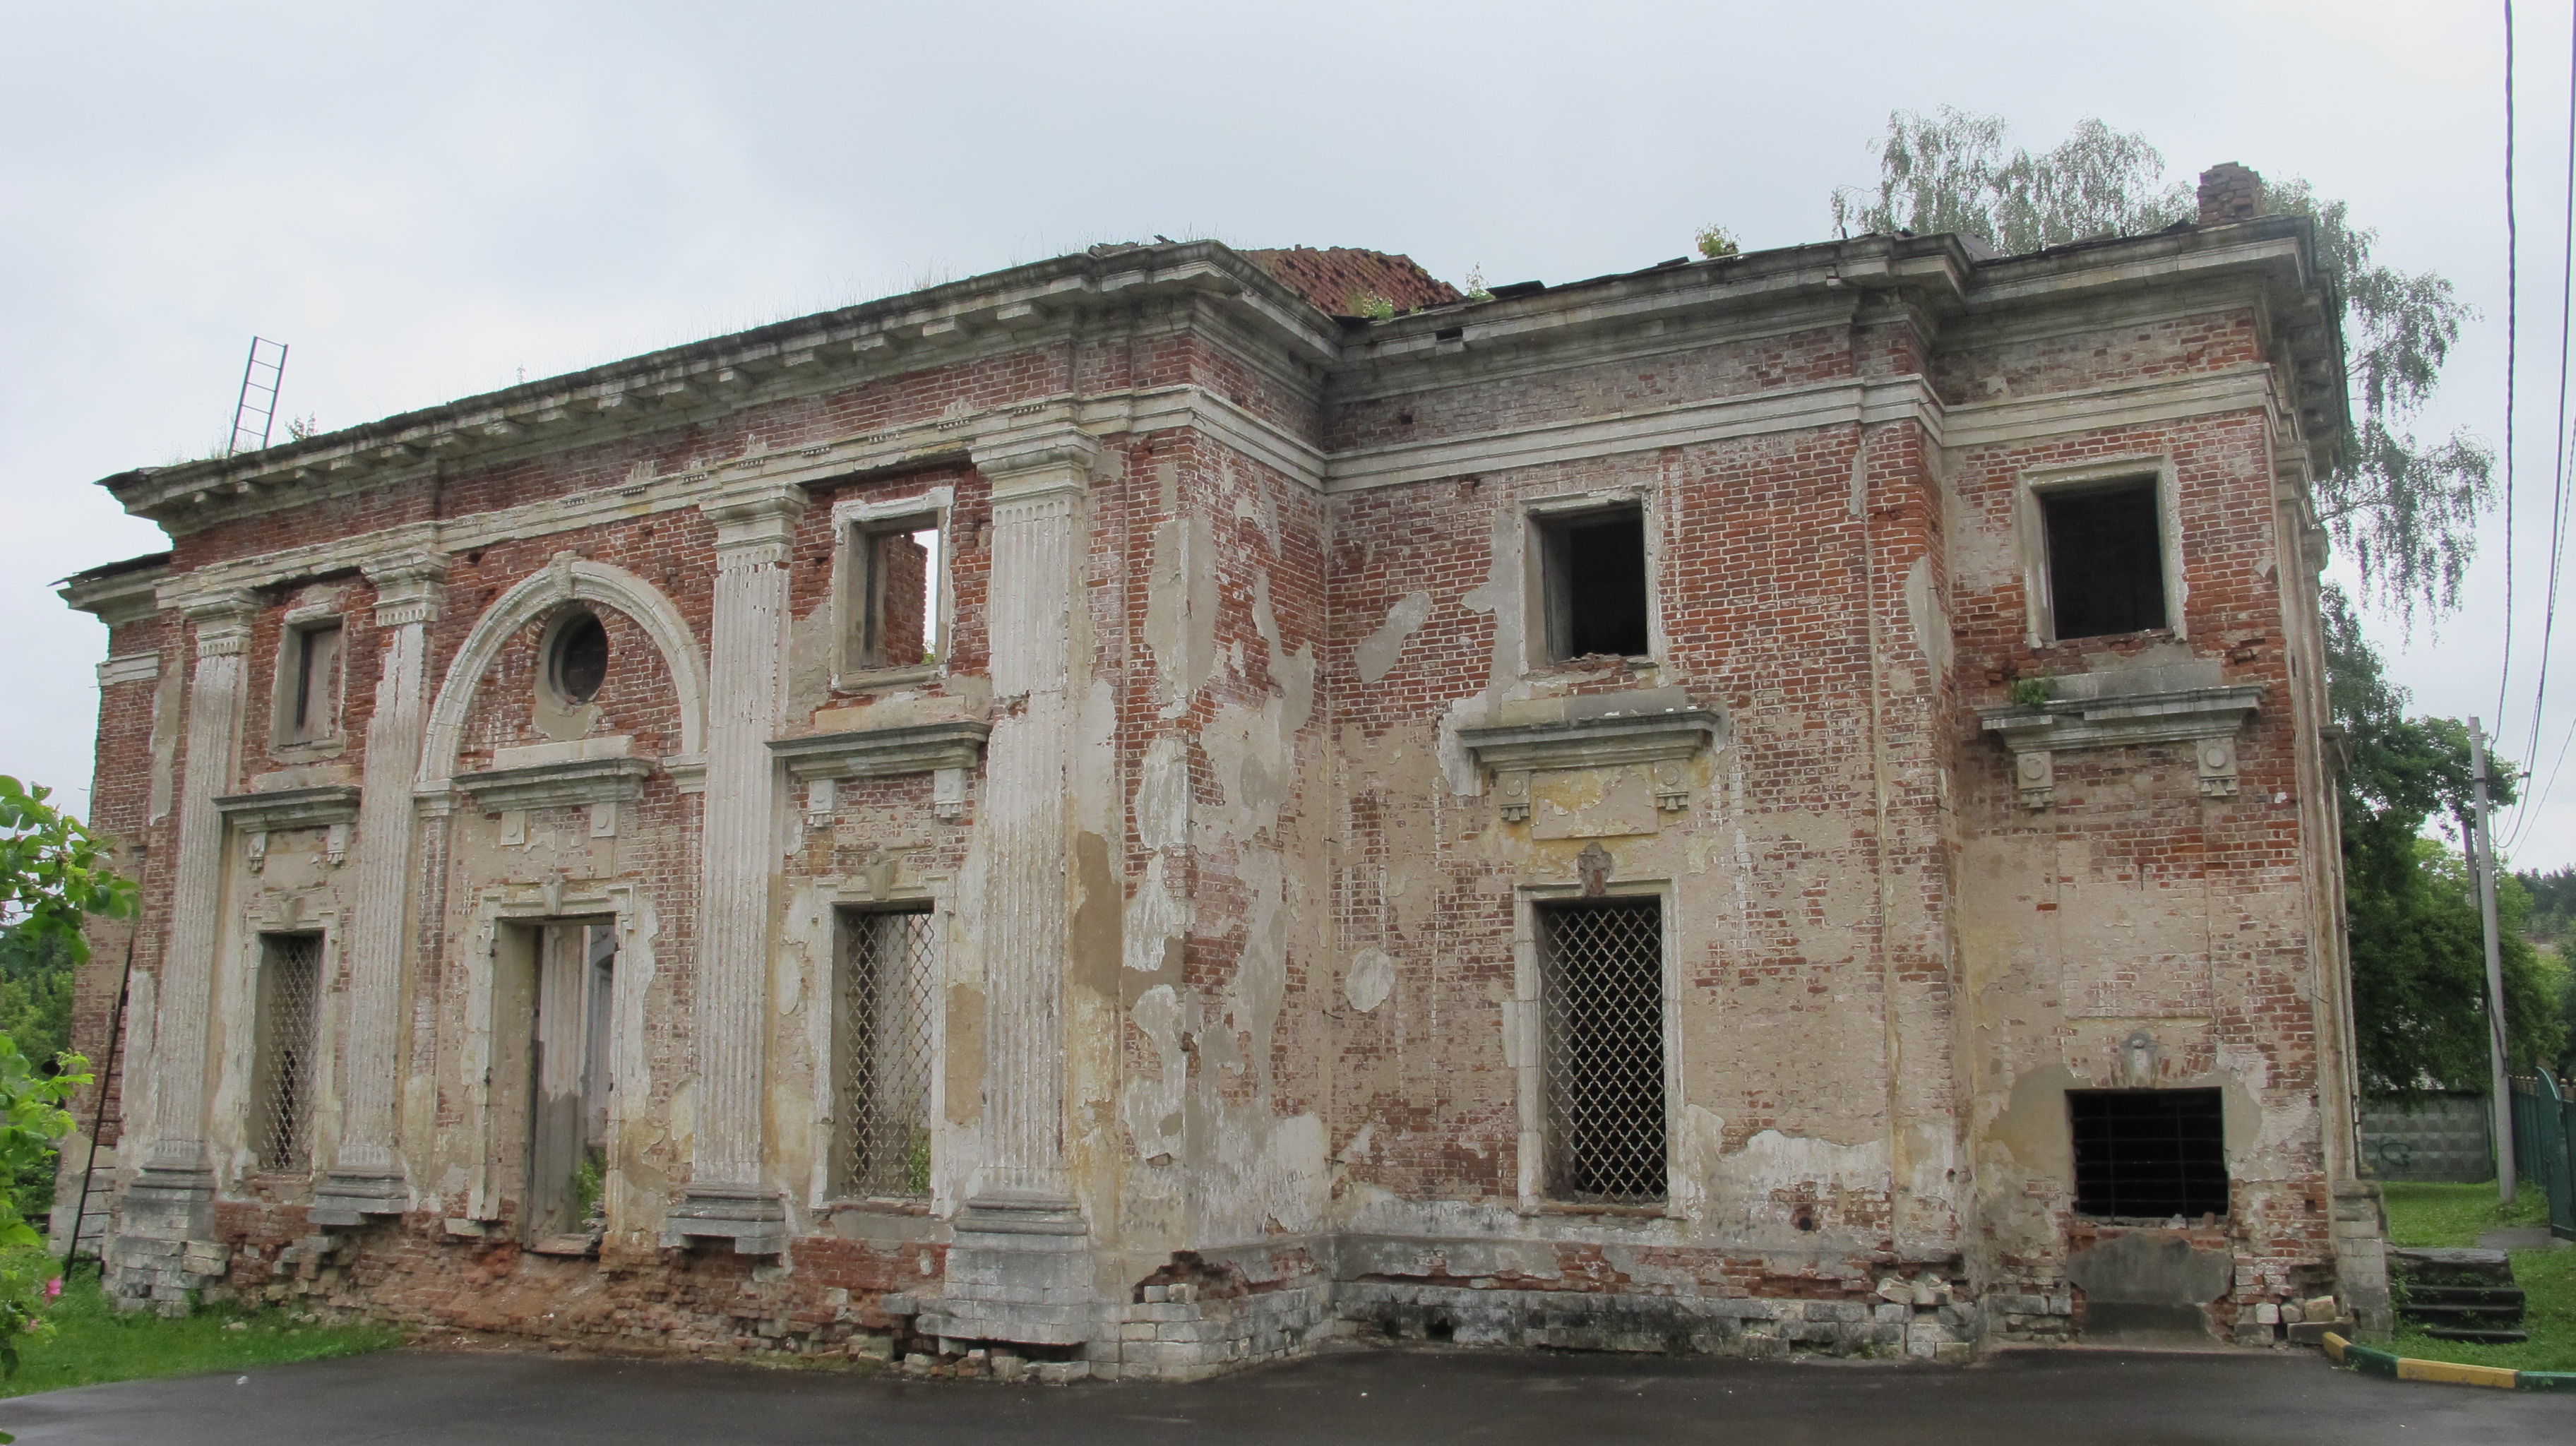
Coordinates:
(2334, 1347)
(2411, 1369)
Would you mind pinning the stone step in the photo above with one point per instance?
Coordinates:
(2463, 1315)
(2451, 1265)
(2476, 1336)
(2464, 1295)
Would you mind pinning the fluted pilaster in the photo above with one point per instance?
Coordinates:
(186, 986)
(728, 1195)
(365, 1177)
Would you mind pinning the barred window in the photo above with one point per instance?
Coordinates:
(283, 1068)
(1602, 1013)
(883, 1040)
(2149, 1154)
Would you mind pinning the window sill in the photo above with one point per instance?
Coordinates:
(2140, 635)
(1659, 1210)
(312, 751)
(872, 679)
(918, 1208)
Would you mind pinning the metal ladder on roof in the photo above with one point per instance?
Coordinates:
(258, 396)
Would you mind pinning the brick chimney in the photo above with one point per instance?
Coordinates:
(2229, 192)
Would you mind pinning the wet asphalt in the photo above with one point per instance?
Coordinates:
(415, 1397)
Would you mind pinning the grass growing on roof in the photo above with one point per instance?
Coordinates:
(2424, 1214)
(92, 1344)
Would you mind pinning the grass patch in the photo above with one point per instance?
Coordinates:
(2421, 1214)
(93, 1344)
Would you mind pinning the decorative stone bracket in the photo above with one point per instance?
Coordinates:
(2208, 718)
(943, 750)
(1665, 740)
(257, 815)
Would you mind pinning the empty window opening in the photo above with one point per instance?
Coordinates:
(576, 975)
(2106, 559)
(312, 702)
(1594, 567)
(577, 663)
(1602, 1010)
(884, 1037)
(284, 1068)
(2150, 1154)
(897, 593)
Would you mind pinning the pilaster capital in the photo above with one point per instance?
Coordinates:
(756, 520)
(406, 584)
(1048, 454)
(221, 617)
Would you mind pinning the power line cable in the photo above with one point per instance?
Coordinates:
(2526, 803)
(2558, 470)
(2512, 279)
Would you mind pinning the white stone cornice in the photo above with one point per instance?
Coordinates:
(1036, 450)
(278, 810)
(568, 783)
(118, 598)
(1775, 410)
(407, 585)
(2243, 388)
(883, 752)
(221, 618)
(754, 523)
(129, 668)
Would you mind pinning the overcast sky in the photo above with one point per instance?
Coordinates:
(431, 201)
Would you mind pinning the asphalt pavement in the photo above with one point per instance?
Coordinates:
(416, 1397)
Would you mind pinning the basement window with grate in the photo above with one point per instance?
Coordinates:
(1601, 981)
(884, 1038)
(283, 1066)
(2106, 559)
(2148, 1154)
(1592, 582)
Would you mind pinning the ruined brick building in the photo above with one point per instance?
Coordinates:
(1137, 811)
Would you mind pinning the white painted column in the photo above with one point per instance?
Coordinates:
(222, 625)
(1019, 1268)
(365, 1177)
(172, 1201)
(728, 1195)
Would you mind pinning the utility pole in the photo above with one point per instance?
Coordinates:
(2482, 862)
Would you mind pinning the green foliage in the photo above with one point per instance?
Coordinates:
(53, 872)
(2418, 944)
(91, 1342)
(2426, 1214)
(1370, 305)
(2032, 692)
(1475, 288)
(2406, 508)
(1716, 241)
(590, 1187)
(916, 1162)
(1952, 172)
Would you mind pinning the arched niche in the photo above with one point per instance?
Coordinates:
(568, 578)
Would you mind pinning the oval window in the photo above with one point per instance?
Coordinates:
(580, 659)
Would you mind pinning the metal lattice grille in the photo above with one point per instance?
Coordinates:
(290, 980)
(2149, 1153)
(889, 984)
(1603, 1012)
